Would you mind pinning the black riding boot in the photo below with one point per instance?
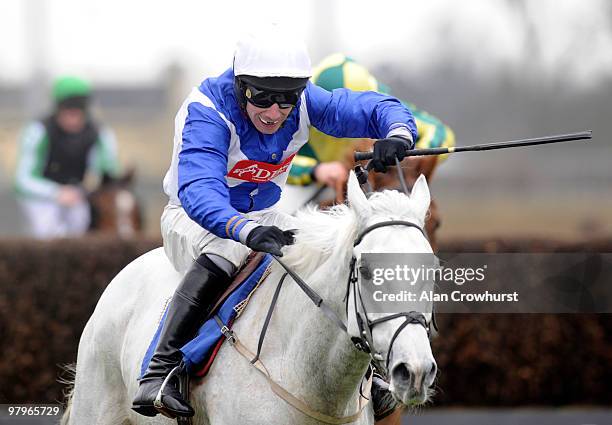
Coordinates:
(191, 303)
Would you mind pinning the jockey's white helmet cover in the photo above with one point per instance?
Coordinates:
(272, 51)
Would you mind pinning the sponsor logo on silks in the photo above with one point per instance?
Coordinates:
(258, 172)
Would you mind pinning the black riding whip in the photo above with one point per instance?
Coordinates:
(583, 135)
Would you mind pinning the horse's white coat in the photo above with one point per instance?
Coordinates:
(304, 351)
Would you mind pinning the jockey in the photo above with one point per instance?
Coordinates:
(55, 154)
(235, 137)
(327, 160)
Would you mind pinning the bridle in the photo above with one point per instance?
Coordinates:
(364, 342)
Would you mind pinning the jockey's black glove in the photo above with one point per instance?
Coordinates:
(386, 150)
(269, 239)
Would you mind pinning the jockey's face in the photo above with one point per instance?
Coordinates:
(71, 120)
(267, 120)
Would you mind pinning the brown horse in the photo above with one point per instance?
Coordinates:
(114, 207)
(412, 168)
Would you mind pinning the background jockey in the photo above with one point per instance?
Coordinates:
(55, 154)
(327, 160)
(235, 137)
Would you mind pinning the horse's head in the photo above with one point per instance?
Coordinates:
(114, 207)
(399, 343)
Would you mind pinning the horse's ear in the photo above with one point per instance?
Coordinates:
(355, 196)
(421, 197)
(107, 179)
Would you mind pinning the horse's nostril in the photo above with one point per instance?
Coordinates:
(402, 374)
(433, 370)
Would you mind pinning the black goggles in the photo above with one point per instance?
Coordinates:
(266, 98)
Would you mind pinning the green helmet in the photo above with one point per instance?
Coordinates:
(68, 87)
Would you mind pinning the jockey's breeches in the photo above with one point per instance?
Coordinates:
(184, 239)
(47, 219)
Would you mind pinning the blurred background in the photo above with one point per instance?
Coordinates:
(493, 70)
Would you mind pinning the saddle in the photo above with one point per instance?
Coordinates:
(253, 272)
(253, 260)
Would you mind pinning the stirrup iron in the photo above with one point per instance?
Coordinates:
(157, 403)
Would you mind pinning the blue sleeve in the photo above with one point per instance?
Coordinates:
(346, 113)
(202, 167)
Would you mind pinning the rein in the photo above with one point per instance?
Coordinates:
(363, 343)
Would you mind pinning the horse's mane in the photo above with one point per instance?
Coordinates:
(321, 235)
(327, 235)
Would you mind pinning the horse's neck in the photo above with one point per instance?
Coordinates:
(318, 353)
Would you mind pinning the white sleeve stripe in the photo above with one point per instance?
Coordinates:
(103, 156)
(401, 130)
(201, 98)
(26, 180)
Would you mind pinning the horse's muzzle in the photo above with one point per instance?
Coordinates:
(410, 384)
